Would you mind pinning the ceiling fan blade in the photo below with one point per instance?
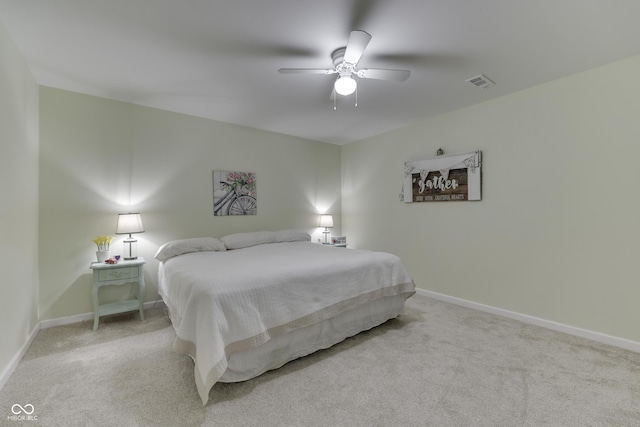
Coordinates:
(306, 71)
(380, 74)
(358, 41)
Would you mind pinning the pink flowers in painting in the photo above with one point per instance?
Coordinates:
(245, 182)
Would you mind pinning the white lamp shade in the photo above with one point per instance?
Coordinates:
(345, 85)
(129, 223)
(326, 221)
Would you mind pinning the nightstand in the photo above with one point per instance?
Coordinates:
(339, 241)
(117, 274)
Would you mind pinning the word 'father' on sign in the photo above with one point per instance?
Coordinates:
(435, 187)
(438, 183)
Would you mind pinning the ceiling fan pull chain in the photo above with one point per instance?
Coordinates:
(356, 104)
(334, 103)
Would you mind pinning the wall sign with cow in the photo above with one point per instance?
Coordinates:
(444, 178)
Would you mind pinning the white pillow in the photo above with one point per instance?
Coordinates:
(179, 247)
(292, 236)
(244, 240)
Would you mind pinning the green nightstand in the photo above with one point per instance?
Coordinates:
(117, 274)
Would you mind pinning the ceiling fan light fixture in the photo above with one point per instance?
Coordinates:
(345, 85)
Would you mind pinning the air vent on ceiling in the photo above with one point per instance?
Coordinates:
(481, 81)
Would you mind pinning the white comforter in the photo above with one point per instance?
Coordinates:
(224, 302)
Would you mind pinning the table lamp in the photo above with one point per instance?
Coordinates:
(130, 223)
(326, 221)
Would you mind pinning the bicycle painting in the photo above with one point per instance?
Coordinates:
(234, 193)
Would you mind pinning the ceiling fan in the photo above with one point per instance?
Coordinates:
(345, 61)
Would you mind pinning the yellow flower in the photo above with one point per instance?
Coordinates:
(102, 242)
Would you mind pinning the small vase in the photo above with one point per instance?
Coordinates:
(102, 255)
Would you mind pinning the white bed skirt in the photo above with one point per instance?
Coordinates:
(250, 363)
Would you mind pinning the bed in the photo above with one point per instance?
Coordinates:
(250, 302)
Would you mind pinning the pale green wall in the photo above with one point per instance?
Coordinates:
(18, 201)
(101, 157)
(556, 234)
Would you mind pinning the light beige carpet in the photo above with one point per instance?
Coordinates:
(438, 365)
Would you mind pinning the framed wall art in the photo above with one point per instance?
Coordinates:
(234, 193)
(445, 178)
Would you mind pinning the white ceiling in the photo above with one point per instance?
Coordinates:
(219, 59)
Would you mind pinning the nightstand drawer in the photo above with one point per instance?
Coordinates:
(118, 274)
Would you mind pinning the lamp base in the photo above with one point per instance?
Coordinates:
(130, 249)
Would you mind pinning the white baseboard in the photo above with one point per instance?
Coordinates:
(49, 323)
(77, 318)
(560, 327)
(6, 374)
